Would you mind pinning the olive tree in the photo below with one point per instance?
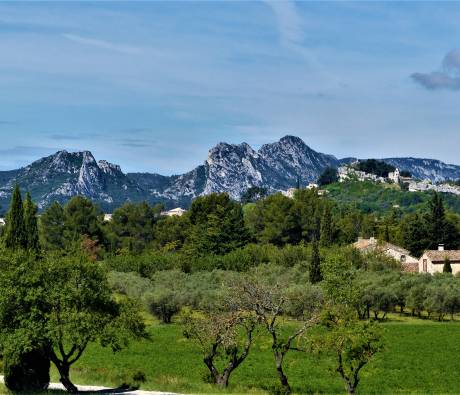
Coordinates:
(225, 339)
(353, 341)
(270, 302)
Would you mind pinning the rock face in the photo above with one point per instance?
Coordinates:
(60, 176)
(231, 168)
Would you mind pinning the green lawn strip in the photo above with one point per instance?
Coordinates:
(420, 356)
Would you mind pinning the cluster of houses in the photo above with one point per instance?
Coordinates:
(346, 173)
(291, 191)
(426, 185)
(432, 261)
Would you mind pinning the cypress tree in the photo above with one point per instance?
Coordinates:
(327, 232)
(15, 235)
(447, 268)
(30, 223)
(437, 220)
(315, 267)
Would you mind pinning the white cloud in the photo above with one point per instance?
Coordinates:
(290, 24)
(101, 44)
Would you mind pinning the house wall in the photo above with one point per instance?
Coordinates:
(436, 267)
(397, 255)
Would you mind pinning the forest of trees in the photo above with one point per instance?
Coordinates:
(242, 265)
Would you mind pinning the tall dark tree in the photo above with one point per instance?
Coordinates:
(82, 217)
(327, 231)
(328, 176)
(437, 221)
(52, 228)
(447, 268)
(315, 266)
(30, 223)
(15, 232)
(217, 225)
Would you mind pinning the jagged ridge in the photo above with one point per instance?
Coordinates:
(229, 168)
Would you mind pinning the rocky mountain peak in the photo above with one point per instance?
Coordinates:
(231, 168)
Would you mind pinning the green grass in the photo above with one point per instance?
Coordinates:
(380, 198)
(420, 356)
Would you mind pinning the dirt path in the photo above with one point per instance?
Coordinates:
(104, 390)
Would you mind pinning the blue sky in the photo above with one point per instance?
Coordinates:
(153, 85)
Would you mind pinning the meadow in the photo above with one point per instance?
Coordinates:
(420, 356)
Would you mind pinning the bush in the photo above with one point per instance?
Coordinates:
(27, 372)
(163, 304)
(129, 284)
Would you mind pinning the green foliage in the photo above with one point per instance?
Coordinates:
(253, 194)
(82, 217)
(315, 265)
(15, 232)
(447, 268)
(217, 225)
(30, 223)
(354, 342)
(328, 176)
(61, 306)
(27, 372)
(52, 228)
(132, 226)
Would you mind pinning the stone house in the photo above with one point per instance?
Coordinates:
(408, 263)
(432, 261)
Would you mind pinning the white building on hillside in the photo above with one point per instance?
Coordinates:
(107, 217)
(394, 176)
(2, 222)
(174, 212)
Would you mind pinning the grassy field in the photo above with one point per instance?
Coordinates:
(420, 357)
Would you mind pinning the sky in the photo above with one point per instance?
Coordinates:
(152, 86)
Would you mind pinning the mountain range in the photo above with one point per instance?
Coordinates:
(231, 168)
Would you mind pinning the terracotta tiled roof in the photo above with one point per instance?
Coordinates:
(364, 244)
(440, 256)
(410, 267)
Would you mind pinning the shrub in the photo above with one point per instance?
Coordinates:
(27, 372)
(129, 284)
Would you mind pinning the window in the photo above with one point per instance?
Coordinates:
(425, 265)
(403, 258)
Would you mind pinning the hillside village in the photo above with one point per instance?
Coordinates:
(349, 172)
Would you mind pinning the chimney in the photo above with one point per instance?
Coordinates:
(441, 247)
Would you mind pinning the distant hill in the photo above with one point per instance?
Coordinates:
(231, 168)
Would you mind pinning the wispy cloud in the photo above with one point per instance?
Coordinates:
(447, 78)
(74, 137)
(136, 143)
(102, 44)
(289, 22)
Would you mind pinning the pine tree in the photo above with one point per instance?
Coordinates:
(15, 235)
(327, 232)
(315, 267)
(386, 234)
(447, 268)
(30, 223)
(437, 221)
